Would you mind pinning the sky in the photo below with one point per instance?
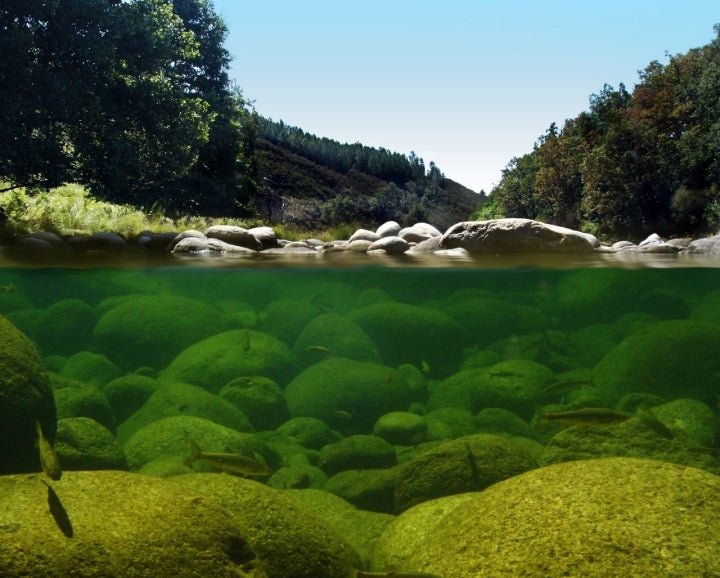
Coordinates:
(467, 84)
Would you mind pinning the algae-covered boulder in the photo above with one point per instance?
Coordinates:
(346, 394)
(484, 319)
(151, 329)
(591, 518)
(284, 319)
(25, 396)
(112, 523)
(332, 334)
(360, 528)
(309, 432)
(217, 360)
(456, 390)
(516, 385)
(449, 422)
(259, 398)
(672, 359)
(411, 334)
(401, 428)
(173, 399)
(77, 399)
(358, 452)
(171, 438)
(84, 444)
(370, 490)
(463, 465)
(291, 541)
(127, 393)
(90, 367)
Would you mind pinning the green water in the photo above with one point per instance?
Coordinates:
(467, 349)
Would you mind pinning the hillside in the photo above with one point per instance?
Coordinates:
(311, 182)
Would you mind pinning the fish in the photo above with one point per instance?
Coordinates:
(9, 288)
(355, 573)
(245, 344)
(342, 414)
(567, 385)
(319, 349)
(237, 464)
(585, 416)
(425, 367)
(48, 458)
(652, 422)
(473, 464)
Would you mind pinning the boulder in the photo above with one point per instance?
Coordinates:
(126, 394)
(346, 394)
(149, 330)
(370, 490)
(390, 245)
(77, 399)
(233, 235)
(401, 428)
(26, 397)
(215, 361)
(516, 236)
(388, 229)
(84, 444)
(112, 523)
(585, 518)
(309, 432)
(358, 452)
(91, 368)
(418, 233)
(266, 236)
(259, 398)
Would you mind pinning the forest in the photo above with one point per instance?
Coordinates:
(636, 162)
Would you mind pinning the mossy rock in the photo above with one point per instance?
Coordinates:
(77, 399)
(485, 319)
(358, 452)
(309, 432)
(84, 444)
(152, 329)
(401, 428)
(182, 399)
(127, 393)
(25, 396)
(370, 490)
(496, 420)
(671, 359)
(449, 423)
(170, 437)
(113, 523)
(219, 359)
(332, 334)
(291, 541)
(90, 368)
(411, 334)
(346, 394)
(456, 390)
(466, 464)
(259, 398)
(583, 518)
(284, 319)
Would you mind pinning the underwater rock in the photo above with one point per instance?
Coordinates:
(449, 422)
(77, 399)
(170, 437)
(654, 436)
(259, 398)
(584, 518)
(112, 523)
(484, 319)
(298, 476)
(360, 528)
(401, 428)
(689, 419)
(516, 236)
(285, 319)
(675, 358)
(370, 490)
(516, 385)
(708, 310)
(26, 397)
(172, 399)
(150, 330)
(126, 394)
(309, 432)
(664, 304)
(90, 368)
(217, 360)
(84, 444)
(456, 390)
(329, 335)
(409, 530)
(411, 334)
(466, 464)
(496, 420)
(357, 452)
(290, 541)
(346, 394)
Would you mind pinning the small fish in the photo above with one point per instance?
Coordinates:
(473, 464)
(48, 458)
(500, 373)
(245, 344)
(566, 386)
(9, 288)
(319, 349)
(229, 463)
(652, 422)
(585, 417)
(354, 573)
(342, 414)
(425, 367)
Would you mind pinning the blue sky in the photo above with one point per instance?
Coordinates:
(466, 84)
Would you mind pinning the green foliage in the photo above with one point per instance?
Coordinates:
(635, 162)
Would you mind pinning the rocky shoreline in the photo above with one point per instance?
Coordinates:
(463, 240)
